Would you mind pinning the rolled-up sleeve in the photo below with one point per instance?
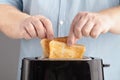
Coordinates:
(17, 3)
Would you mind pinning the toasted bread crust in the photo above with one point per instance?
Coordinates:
(45, 47)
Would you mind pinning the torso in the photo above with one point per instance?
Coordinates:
(107, 46)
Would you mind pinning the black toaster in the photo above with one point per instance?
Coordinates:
(62, 69)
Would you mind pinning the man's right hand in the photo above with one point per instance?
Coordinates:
(37, 26)
(31, 27)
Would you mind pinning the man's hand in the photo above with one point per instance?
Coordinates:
(19, 25)
(88, 24)
(31, 27)
(37, 26)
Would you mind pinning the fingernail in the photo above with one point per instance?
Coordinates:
(51, 37)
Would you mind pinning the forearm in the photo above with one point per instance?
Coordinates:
(114, 14)
(10, 16)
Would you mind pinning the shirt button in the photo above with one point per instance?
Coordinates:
(61, 22)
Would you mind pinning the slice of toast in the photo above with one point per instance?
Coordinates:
(57, 48)
(45, 45)
(61, 50)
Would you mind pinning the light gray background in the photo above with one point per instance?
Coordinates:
(9, 53)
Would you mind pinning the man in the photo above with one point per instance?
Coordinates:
(31, 19)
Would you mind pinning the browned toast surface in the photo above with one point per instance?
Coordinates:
(57, 48)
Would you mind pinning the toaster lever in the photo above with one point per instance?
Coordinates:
(106, 65)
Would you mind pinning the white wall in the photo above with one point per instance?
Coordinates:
(9, 53)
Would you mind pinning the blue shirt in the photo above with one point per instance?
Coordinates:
(61, 13)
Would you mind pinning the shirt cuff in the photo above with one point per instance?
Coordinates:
(17, 4)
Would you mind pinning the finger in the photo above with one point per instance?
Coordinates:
(40, 30)
(48, 26)
(26, 36)
(76, 18)
(105, 30)
(71, 37)
(87, 28)
(77, 30)
(30, 29)
(96, 31)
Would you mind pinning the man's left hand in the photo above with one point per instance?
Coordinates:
(88, 24)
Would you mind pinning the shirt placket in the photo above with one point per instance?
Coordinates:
(61, 18)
